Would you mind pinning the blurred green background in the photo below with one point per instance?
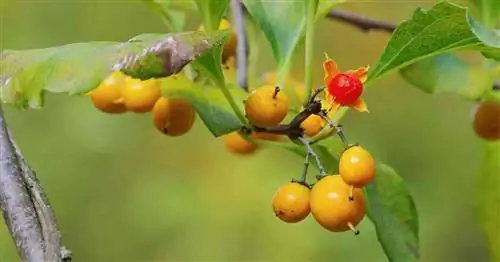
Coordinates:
(123, 192)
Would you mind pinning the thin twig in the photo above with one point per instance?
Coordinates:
(295, 132)
(316, 92)
(337, 127)
(303, 177)
(25, 207)
(242, 44)
(293, 129)
(362, 22)
(310, 151)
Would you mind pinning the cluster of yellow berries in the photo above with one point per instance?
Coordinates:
(336, 201)
(119, 93)
(268, 106)
(265, 106)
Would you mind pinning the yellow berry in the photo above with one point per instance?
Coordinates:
(266, 106)
(173, 116)
(357, 166)
(313, 125)
(107, 96)
(291, 202)
(331, 206)
(271, 78)
(141, 96)
(238, 145)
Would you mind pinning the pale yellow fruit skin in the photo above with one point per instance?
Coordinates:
(357, 166)
(173, 116)
(331, 207)
(264, 110)
(291, 202)
(235, 143)
(107, 96)
(141, 96)
(313, 125)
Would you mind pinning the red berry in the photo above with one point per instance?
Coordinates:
(345, 89)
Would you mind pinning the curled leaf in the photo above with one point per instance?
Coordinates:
(79, 67)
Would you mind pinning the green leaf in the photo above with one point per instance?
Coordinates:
(490, 11)
(491, 55)
(208, 101)
(392, 210)
(311, 11)
(444, 28)
(212, 12)
(178, 19)
(210, 64)
(389, 205)
(282, 31)
(490, 37)
(171, 17)
(185, 5)
(80, 67)
(489, 197)
(447, 73)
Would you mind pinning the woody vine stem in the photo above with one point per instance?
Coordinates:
(25, 207)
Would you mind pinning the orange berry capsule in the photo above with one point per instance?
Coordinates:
(291, 202)
(107, 96)
(357, 166)
(238, 145)
(331, 207)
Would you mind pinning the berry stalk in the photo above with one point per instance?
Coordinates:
(232, 103)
